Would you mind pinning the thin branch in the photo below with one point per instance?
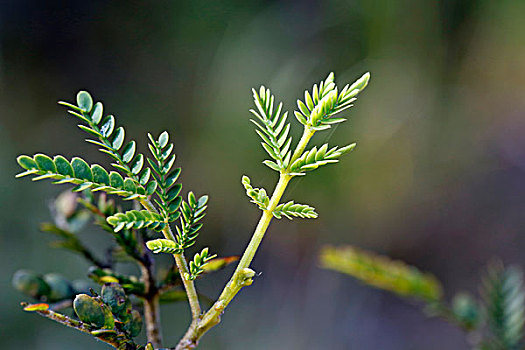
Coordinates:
(151, 304)
(182, 265)
(116, 339)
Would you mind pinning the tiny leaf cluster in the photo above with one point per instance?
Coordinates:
(319, 108)
(314, 158)
(162, 164)
(198, 264)
(137, 219)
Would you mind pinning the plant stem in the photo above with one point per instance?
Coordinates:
(151, 303)
(117, 340)
(193, 298)
(182, 265)
(243, 274)
(152, 318)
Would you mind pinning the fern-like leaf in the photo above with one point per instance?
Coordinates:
(294, 209)
(78, 172)
(258, 195)
(108, 138)
(162, 163)
(315, 158)
(272, 128)
(192, 211)
(319, 108)
(136, 219)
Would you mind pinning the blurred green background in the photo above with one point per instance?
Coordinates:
(437, 179)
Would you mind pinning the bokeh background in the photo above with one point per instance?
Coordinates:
(437, 179)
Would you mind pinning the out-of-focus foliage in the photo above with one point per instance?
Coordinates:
(496, 322)
(504, 305)
(382, 272)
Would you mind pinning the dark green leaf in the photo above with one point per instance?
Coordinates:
(26, 162)
(173, 192)
(174, 216)
(100, 175)
(63, 166)
(45, 163)
(129, 185)
(165, 154)
(151, 187)
(172, 177)
(81, 169)
(153, 166)
(174, 206)
(116, 180)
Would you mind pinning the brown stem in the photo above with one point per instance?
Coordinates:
(151, 303)
(115, 339)
(152, 318)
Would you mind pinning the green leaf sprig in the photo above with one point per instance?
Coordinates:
(197, 265)
(162, 163)
(192, 211)
(272, 128)
(110, 140)
(78, 172)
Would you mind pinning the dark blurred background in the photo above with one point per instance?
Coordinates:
(437, 179)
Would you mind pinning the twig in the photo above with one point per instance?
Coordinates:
(151, 304)
(116, 339)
